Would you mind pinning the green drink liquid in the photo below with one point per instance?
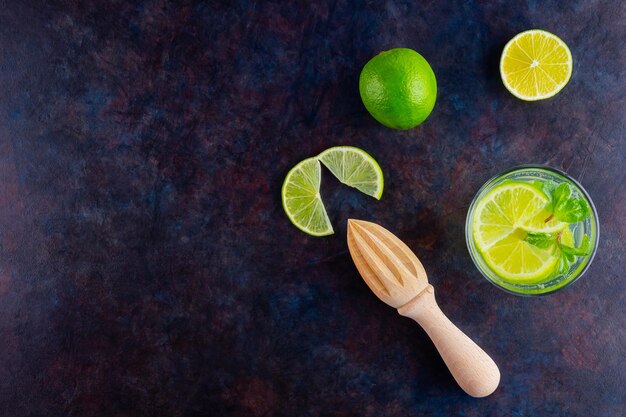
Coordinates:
(532, 230)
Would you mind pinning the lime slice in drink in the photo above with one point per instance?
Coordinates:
(516, 260)
(302, 201)
(511, 206)
(356, 168)
(502, 219)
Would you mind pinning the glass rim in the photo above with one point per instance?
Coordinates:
(474, 252)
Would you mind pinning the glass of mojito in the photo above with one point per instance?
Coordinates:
(532, 230)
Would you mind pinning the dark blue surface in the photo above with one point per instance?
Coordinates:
(147, 267)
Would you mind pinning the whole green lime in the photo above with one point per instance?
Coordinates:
(398, 88)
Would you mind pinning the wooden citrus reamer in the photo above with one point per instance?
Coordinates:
(397, 277)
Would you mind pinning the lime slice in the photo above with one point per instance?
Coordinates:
(516, 260)
(356, 168)
(501, 222)
(508, 207)
(302, 201)
(535, 65)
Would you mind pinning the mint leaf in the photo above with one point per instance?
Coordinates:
(558, 197)
(562, 205)
(572, 210)
(548, 188)
(583, 250)
(537, 185)
(568, 254)
(561, 191)
(563, 266)
(541, 240)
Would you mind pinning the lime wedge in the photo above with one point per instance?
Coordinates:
(301, 190)
(502, 219)
(355, 168)
(302, 201)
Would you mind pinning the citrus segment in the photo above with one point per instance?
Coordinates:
(302, 201)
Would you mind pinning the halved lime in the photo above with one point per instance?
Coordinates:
(302, 201)
(502, 219)
(355, 168)
(535, 65)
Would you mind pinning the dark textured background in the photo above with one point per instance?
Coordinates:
(147, 267)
